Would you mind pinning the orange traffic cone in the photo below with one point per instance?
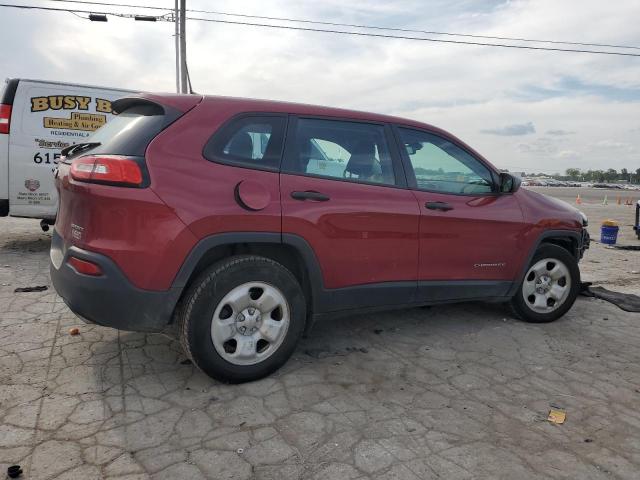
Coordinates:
(628, 202)
(578, 200)
(619, 201)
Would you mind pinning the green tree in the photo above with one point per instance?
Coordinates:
(573, 173)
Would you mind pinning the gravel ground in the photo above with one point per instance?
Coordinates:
(453, 392)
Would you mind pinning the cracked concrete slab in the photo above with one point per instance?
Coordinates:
(455, 392)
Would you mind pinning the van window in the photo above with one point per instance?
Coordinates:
(254, 142)
(441, 166)
(346, 150)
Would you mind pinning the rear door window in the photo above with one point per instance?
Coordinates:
(345, 150)
(252, 141)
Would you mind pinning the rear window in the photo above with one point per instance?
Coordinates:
(249, 141)
(130, 131)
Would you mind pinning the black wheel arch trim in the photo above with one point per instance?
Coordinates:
(353, 298)
(232, 238)
(548, 234)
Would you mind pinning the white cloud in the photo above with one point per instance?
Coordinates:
(515, 130)
(464, 89)
(614, 145)
(568, 155)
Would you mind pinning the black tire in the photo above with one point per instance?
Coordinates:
(197, 308)
(519, 305)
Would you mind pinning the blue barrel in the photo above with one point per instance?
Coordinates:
(608, 235)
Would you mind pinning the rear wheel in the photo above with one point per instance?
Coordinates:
(242, 318)
(550, 286)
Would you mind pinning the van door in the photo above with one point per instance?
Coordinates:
(47, 117)
(6, 105)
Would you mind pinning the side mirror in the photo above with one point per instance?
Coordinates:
(509, 183)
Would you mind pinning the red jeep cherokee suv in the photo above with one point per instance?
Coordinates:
(242, 221)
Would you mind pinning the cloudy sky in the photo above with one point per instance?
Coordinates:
(524, 110)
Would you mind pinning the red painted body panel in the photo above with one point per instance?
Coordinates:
(479, 239)
(363, 234)
(541, 213)
(132, 226)
(201, 192)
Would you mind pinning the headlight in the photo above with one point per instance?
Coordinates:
(585, 220)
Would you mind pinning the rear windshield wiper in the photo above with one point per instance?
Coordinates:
(77, 148)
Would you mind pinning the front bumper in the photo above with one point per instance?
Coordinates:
(585, 241)
(109, 300)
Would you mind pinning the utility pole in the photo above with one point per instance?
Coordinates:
(180, 18)
(177, 39)
(184, 78)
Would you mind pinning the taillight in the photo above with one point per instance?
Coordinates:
(85, 267)
(5, 118)
(108, 169)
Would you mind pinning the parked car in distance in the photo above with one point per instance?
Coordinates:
(611, 186)
(243, 221)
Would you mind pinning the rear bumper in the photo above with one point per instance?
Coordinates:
(109, 300)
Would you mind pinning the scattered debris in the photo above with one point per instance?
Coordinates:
(588, 440)
(14, 471)
(556, 415)
(74, 331)
(378, 331)
(357, 349)
(240, 451)
(186, 361)
(39, 288)
(320, 353)
(326, 352)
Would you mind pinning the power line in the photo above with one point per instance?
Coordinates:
(75, 11)
(342, 32)
(363, 26)
(404, 37)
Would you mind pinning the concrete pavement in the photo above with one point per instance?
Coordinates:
(454, 392)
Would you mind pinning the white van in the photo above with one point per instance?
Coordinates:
(37, 120)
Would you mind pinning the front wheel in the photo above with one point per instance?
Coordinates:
(242, 318)
(550, 286)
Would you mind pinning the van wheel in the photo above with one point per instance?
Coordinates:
(550, 286)
(242, 318)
